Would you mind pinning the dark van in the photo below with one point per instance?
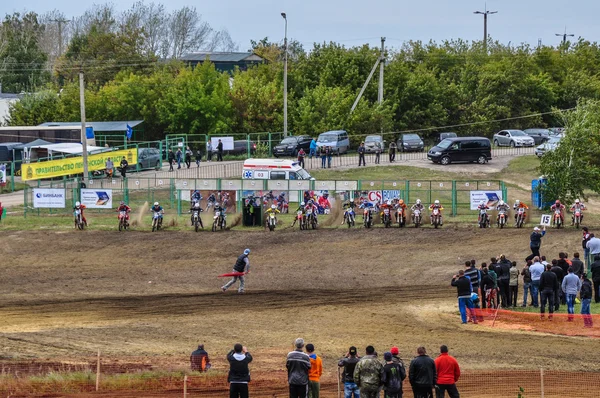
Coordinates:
(461, 149)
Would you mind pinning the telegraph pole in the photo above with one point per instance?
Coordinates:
(485, 14)
(381, 63)
(60, 23)
(285, 67)
(564, 36)
(83, 132)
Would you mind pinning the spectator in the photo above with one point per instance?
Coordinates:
(178, 156)
(595, 270)
(586, 252)
(312, 151)
(171, 159)
(301, 156)
(239, 373)
(494, 291)
(513, 285)
(323, 154)
(536, 271)
(392, 151)
(526, 282)
(367, 374)
(543, 261)
(548, 288)
(593, 244)
(188, 157)
(315, 372)
(487, 285)
(198, 157)
(504, 280)
(349, 364)
(422, 374)
(199, 360)
(124, 164)
(361, 154)
(377, 152)
(560, 275)
(329, 153)
(571, 285)
(298, 364)
(577, 265)
(586, 299)
(563, 262)
(535, 242)
(395, 352)
(448, 373)
(209, 151)
(109, 168)
(220, 151)
(463, 289)
(392, 376)
(482, 294)
(473, 274)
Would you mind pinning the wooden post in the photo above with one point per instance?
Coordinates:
(98, 372)
(542, 381)
(185, 386)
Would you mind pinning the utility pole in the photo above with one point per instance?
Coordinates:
(285, 67)
(564, 36)
(381, 63)
(83, 132)
(60, 23)
(485, 14)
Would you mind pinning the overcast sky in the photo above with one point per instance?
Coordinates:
(354, 22)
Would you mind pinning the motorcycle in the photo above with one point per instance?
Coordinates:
(400, 217)
(310, 219)
(484, 220)
(577, 218)
(520, 217)
(417, 217)
(387, 219)
(557, 220)
(123, 224)
(156, 221)
(436, 218)
(79, 219)
(272, 222)
(219, 221)
(283, 207)
(501, 218)
(349, 217)
(301, 219)
(197, 220)
(368, 217)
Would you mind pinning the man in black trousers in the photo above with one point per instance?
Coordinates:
(220, 151)
(239, 373)
(548, 288)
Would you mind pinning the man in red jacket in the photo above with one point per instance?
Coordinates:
(448, 373)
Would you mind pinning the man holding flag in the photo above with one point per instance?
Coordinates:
(241, 268)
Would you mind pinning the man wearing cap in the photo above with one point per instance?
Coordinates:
(199, 359)
(367, 374)
(535, 242)
(298, 364)
(392, 376)
(448, 373)
(395, 355)
(242, 265)
(349, 364)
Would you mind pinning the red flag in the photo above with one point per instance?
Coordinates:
(232, 274)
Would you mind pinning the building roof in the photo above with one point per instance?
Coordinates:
(222, 57)
(98, 126)
(72, 149)
(10, 96)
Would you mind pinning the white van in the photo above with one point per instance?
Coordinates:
(273, 169)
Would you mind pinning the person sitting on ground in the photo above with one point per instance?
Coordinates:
(199, 360)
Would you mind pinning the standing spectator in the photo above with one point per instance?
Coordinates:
(535, 242)
(548, 288)
(595, 271)
(586, 252)
(577, 265)
(377, 152)
(448, 373)
(178, 156)
(219, 151)
(392, 376)
(513, 285)
(312, 150)
(239, 373)
(536, 271)
(526, 282)
(199, 360)
(171, 159)
(367, 374)
(487, 284)
(349, 364)
(474, 275)
(124, 164)
(109, 168)
(315, 372)
(422, 374)
(361, 154)
(209, 151)
(188, 157)
(560, 275)
(323, 154)
(298, 364)
(463, 289)
(571, 285)
(198, 157)
(593, 245)
(491, 287)
(504, 280)
(301, 156)
(586, 299)
(329, 153)
(241, 266)
(392, 152)
(563, 262)
(395, 352)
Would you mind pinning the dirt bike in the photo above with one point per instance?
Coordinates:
(400, 217)
(436, 218)
(123, 224)
(78, 219)
(417, 217)
(483, 220)
(272, 221)
(557, 220)
(520, 217)
(387, 219)
(197, 220)
(349, 217)
(310, 219)
(501, 219)
(156, 221)
(218, 221)
(577, 218)
(283, 207)
(368, 217)
(301, 219)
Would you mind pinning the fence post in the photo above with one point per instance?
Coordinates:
(12, 174)
(98, 372)
(270, 147)
(454, 210)
(407, 191)
(185, 386)
(248, 146)
(25, 202)
(542, 381)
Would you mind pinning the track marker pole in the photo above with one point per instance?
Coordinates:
(98, 372)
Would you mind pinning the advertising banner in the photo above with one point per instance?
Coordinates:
(49, 198)
(227, 143)
(97, 198)
(491, 198)
(62, 167)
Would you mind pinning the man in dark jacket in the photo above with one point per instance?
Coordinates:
(220, 151)
(560, 275)
(595, 270)
(422, 374)
(577, 265)
(535, 242)
(124, 164)
(241, 267)
(349, 364)
(548, 288)
(392, 376)
(361, 154)
(504, 280)
(463, 289)
(171, 159)
(199, 360)
(239, 373)
(297, 365)
(586, 298)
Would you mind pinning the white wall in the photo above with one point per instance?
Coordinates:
(4, 104)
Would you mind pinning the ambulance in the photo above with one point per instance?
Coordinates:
(274, 169)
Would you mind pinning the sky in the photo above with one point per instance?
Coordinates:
(355, 22)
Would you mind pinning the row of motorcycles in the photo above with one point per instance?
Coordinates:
(484, 219)
(397, 219)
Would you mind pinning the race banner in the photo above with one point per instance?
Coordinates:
(49, 198)
(490, 198)
(74, 165)
(97, 198)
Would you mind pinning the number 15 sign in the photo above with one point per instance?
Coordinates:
(546, 220)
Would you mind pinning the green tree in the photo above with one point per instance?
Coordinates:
(34, 109)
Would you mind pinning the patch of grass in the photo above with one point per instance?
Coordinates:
(386, 173)
(594, 307)
(8, 188)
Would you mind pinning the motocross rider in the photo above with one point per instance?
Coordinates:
(158, 209)
(196, 196)
(577, 206)
(310, 205)
(559, 206)
(417, 206)
(195, 207)
(386, 205)
(211, 200)
(520, 205)
(80, 207)
(366, 205)
(436, 205)
(272, 209)
(348, 204)
(324, 202)
(401, 205)
(482, 206)
(501, 207)
(300, 208)
(126, 209)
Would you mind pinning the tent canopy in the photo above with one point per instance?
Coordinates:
(70, 148)
(37, 142)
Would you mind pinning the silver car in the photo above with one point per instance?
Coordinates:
(372, 142)
(513, 138)
(547, 146)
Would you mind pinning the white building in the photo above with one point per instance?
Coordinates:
(5, 101)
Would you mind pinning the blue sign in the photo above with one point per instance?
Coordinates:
(129, 132)
(248, 174)
(89, 133)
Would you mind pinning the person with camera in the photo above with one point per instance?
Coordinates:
(239, 373)
(348, 363)
(464, 290)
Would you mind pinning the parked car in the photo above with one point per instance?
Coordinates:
(337, 140)
(410, 142)
(556, 131)
(442, 136)
(539, 135)
(148, 158)
(512, 138)
(461, 149)
(547, 146)
(374, 141)
(290, 146)
(240, 147)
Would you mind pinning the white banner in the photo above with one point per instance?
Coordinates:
(97, 198)
(49, 198)
(2, 174)
(227, 143)
(490, 198)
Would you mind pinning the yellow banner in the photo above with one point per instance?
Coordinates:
(68, 166)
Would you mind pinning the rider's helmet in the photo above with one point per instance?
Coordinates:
(122, 203)
(196, 205)
(77, 204)
(577, 201)
(302, 204)
(418, 201)
(217, 204)
(155, 203)
(310, 202)
(437, 202)
(557, 202)
(481, 203)
(501, 203)
(517, 202)
(389, 203)
(402, 201)
(273, 207)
